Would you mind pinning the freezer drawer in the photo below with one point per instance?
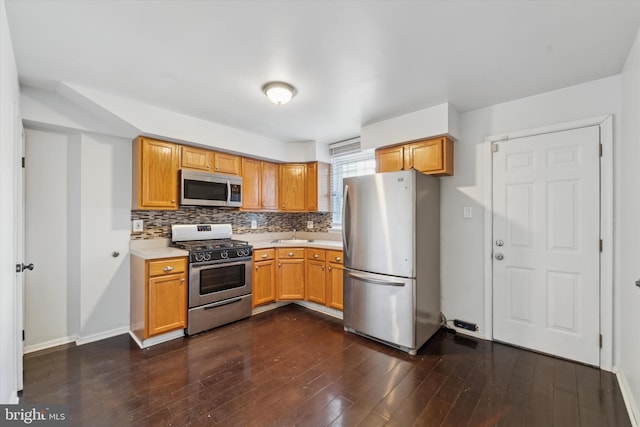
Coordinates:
(380, 306)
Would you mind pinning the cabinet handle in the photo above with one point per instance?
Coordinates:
(181, 280)
(280, 264)
(257, 267)
(168, 268)
(338, 259)
(315, 255)
(329, 268)
(265, 255)
(290, 254)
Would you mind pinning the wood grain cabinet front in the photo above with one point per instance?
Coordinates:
(335, 271)
(315, 285)
(259, 185)
(158, 301)
(155, 174)
(264, 276)
(430, 156)
(291, 274)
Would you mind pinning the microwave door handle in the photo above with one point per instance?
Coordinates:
(228, 192)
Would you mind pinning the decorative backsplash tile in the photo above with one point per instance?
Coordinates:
(158, 223)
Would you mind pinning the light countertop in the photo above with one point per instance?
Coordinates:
(320, 244)
(158, 252)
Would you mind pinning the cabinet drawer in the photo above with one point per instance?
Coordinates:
(167, 266)
(315, 254)
(335, 256)
(264, 254)
(284, 253)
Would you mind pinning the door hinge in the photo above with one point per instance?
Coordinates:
(494, 148)
(23, 335)
(23, 162)
(601, 245)
(600, 150)
(600, 340)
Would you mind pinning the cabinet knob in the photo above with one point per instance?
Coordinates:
(217, 168)
(315, 255)
(290, 254)
(264, 255)
(329, 268)
(322, 267)
(173, 201)
(257, 267)
(181, 280)
(283, 205)
(168, 268)
(208, 166)
(338, 259)
(279, 264)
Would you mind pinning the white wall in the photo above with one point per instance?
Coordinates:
(78, 214)
(462, 243)
(629, 227)
(9, 140)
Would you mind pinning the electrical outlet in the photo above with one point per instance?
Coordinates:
(309, 224)
(254, 224)
(467, 212)
(137, 225)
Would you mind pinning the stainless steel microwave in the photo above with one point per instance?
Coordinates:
(208, 189)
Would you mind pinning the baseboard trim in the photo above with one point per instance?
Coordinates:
(321, 308)
(157, 339)
(102, 335)
(629, 401)
(269, 307)
(48, 344)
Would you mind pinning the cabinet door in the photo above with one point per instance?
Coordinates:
(167, 304)
(434, 156)
(334, 285)
(291, 279)
(269, 185)
(251, 184)
(292, 187)
(316, 288)
(312, 187)
(390, 159)
(264, 281)
(196, 158)
(156, 173)
(226, 163)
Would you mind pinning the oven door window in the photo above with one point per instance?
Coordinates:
(221, 278)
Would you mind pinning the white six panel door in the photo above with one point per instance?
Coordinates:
(546, 229)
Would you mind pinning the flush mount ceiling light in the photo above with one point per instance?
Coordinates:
(279, 92)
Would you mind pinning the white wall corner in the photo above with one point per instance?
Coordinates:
(424, 123)
(627, 395)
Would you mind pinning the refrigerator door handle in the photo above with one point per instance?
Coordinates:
(370, 279)
(346, 219)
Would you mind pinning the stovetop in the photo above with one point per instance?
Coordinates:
(217, 250)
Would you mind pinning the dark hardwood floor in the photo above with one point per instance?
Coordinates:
(292, 366)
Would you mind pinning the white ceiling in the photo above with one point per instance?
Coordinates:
(353, 62)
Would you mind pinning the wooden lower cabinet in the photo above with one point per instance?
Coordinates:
(264, 276)
(335, 270)
(316, 289)
(158, 301)
(290, 283)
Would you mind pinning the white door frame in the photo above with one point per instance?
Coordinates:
(606, 225)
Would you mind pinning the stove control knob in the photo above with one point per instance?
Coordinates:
(224, 254)
(206, 256)
(199, 257)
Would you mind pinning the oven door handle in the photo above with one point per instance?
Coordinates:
(222, 303)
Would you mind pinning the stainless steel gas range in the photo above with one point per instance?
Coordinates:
(219, 275)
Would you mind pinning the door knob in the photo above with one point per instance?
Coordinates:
(499, 257)
(499, 242)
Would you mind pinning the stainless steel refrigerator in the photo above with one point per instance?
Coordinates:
(391, 237)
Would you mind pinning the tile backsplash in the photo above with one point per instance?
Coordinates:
(158, 223)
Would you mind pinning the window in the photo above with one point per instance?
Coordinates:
(347, 160)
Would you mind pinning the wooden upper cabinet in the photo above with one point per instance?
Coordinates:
(430, 156)
(259, 185)
(318, 194)
(269, 185)
(155, 174)
(390, 159)
(210, 161)
(196, 158)
(251, 170)
(226, 163)
(292, 186)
